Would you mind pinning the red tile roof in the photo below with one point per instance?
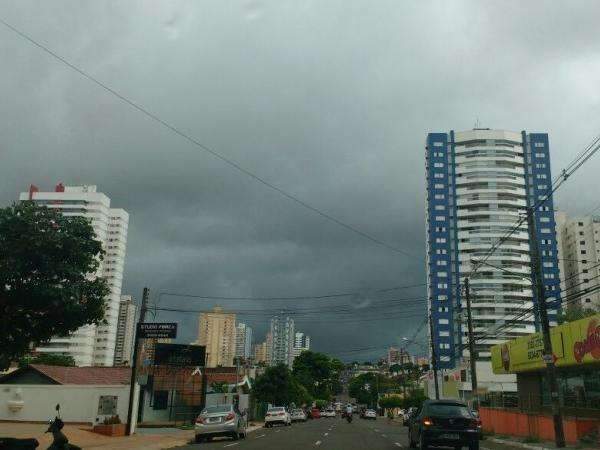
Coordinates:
(85, 375)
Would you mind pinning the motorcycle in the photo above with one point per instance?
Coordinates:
(60, 441)
(349, 418)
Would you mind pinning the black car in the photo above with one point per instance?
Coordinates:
(446, 423)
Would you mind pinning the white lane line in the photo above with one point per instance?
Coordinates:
(318, 443)
(383, 435)
(376, 430)
(326, 434)
(262, 435)
(277, 431)
(231, 445)
(397, 444)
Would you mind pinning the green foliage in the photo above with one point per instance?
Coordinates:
(574, 312)
(45, 284)
(414, 399)
(278, 387)
(48, 359)
(321, 404)
(319, 374)
(394, 368)
(531, 440)
(393, 401)
(219, 387)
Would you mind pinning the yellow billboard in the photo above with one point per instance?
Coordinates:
(573, 343)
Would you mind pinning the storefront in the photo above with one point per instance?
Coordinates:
(576, 353)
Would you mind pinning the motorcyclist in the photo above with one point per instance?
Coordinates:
(60, 441)
(349, 413)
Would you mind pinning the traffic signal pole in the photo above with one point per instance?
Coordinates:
(542, 309)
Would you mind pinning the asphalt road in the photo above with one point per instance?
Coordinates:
(320, 434)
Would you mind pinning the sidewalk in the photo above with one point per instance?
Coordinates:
(145, 438)
(79, 435)
(494, 443)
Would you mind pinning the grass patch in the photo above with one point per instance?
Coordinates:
(532, 440)
(186, 426)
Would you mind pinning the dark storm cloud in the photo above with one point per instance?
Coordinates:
(329, 100)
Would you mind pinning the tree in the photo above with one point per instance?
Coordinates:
(318, 373)
(575, 312)
(48, 359)
(278, 387)
(219, 387)
(47, 282)
(393, 401)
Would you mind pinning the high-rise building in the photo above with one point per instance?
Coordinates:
(125, 331)
(397, 356)
(282, 333)
(260, 353)
(243, 341)
(579, 250)
(91, 345)
(301, 343)
(479, 183)
(217, 332)
(269, 347)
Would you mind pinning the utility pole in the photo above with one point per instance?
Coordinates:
(474, 394)
(134, 360)
(433, 359)
(538, 287)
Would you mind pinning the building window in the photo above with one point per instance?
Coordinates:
(440, 207)
(440, 240)
(442, 297)
(442, 285)
(443, 321)
(545, 230)
(538, 144)
(444, 333)
(440, 218)
(439, 196)
(540, 155)
(438, 175)
(438, 165)
(438, 186)
(438, 144)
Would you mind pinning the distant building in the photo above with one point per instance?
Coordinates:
(269, 347)
(91, 345)
(579, 248)
(125, 331)
(148, 348)
(397, 356)
(301, 343)
(282, 333)
(217, 332)
(260, 353)
(243, 341)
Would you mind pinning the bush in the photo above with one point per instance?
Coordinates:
(531, 440)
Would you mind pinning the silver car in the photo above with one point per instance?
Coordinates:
(220, 420)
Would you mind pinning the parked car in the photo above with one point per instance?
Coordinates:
(220, 420)
(328, 413)
(445, 423)
(315, 413)
(298, 415)
(370, 414)
(277, 415)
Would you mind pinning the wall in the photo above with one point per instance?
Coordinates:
(515, 423)
(78, 403)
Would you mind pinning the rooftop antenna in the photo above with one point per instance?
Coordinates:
(477, 124)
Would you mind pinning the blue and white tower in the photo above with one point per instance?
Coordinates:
(479, 184)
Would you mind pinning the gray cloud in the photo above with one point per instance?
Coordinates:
(329, 100)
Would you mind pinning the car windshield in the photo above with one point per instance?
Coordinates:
(217, 409)
(276, 409)
(448, 410)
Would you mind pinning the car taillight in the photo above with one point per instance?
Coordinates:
(281, 414)
(199, 420)
(476, 423)
(427, 422)
(230, 416)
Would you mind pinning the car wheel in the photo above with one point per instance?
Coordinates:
(474, 445)
(423, 443)
(198, 439)
(235, 436)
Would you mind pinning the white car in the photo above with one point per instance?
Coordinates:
(328, 413)
(277, 415)
(298, 415)
(370, 414)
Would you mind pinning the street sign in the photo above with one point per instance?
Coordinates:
(179, 355)
(157, 330)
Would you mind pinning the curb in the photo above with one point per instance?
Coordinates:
(520, 444)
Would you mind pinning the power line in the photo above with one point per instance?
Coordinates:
(206, 148)
(300, 297)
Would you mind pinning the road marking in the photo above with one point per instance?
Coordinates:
(383, 435)
(376, 430)
(231, 445)
(277, 431)
(397, 444)
(325, 434)
(262, 435)
(318, 443)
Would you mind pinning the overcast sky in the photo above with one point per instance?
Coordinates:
(328, 100)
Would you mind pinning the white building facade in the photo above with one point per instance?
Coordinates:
(243, 341)
(579, 246)
(125, 331)
(282, 341)
(301, 343)
(91, 345)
